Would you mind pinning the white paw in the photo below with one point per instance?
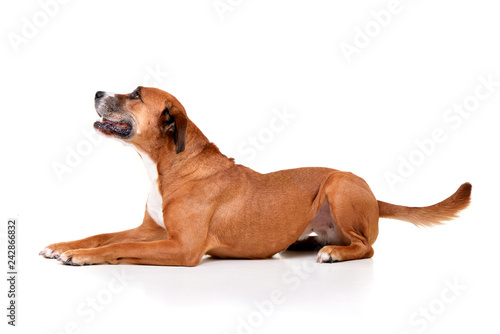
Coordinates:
(47, 252)
(325, 258)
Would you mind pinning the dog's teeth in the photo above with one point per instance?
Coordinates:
(102, 119)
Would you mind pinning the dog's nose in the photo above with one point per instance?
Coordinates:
(99, 94)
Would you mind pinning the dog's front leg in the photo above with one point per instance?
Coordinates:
(169, 252)
(148, 231)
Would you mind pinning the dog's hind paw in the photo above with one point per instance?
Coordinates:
(325, 258)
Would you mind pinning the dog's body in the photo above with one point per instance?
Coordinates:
(201, 202)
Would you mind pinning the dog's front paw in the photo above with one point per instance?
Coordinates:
(81, 257)
(46, 252)
(73, 257)
(53, 251)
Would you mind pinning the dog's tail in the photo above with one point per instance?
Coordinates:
(429, 215)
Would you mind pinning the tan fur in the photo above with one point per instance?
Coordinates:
(430, 215)
(211, 205)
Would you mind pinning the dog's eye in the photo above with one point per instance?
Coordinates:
(135, 96)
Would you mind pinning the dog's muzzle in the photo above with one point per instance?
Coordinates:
(110, 122)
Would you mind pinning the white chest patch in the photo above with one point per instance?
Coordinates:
(155, 202)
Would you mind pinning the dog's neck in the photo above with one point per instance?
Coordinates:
(165, 163)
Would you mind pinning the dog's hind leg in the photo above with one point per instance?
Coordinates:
(355, 218)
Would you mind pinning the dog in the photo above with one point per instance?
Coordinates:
(203, 203)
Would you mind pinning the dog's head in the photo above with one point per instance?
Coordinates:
(145, 118)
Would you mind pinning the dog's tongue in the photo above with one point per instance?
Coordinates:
(123, 126)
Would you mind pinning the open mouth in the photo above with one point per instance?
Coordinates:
(121, 129)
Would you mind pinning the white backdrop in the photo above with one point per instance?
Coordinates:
(403, 93)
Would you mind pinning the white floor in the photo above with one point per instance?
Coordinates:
(410, 286)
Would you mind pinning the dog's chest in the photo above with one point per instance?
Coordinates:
(154, 204)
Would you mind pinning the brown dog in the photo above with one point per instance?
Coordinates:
(201, 202)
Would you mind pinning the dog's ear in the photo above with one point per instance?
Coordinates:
(173, 122)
